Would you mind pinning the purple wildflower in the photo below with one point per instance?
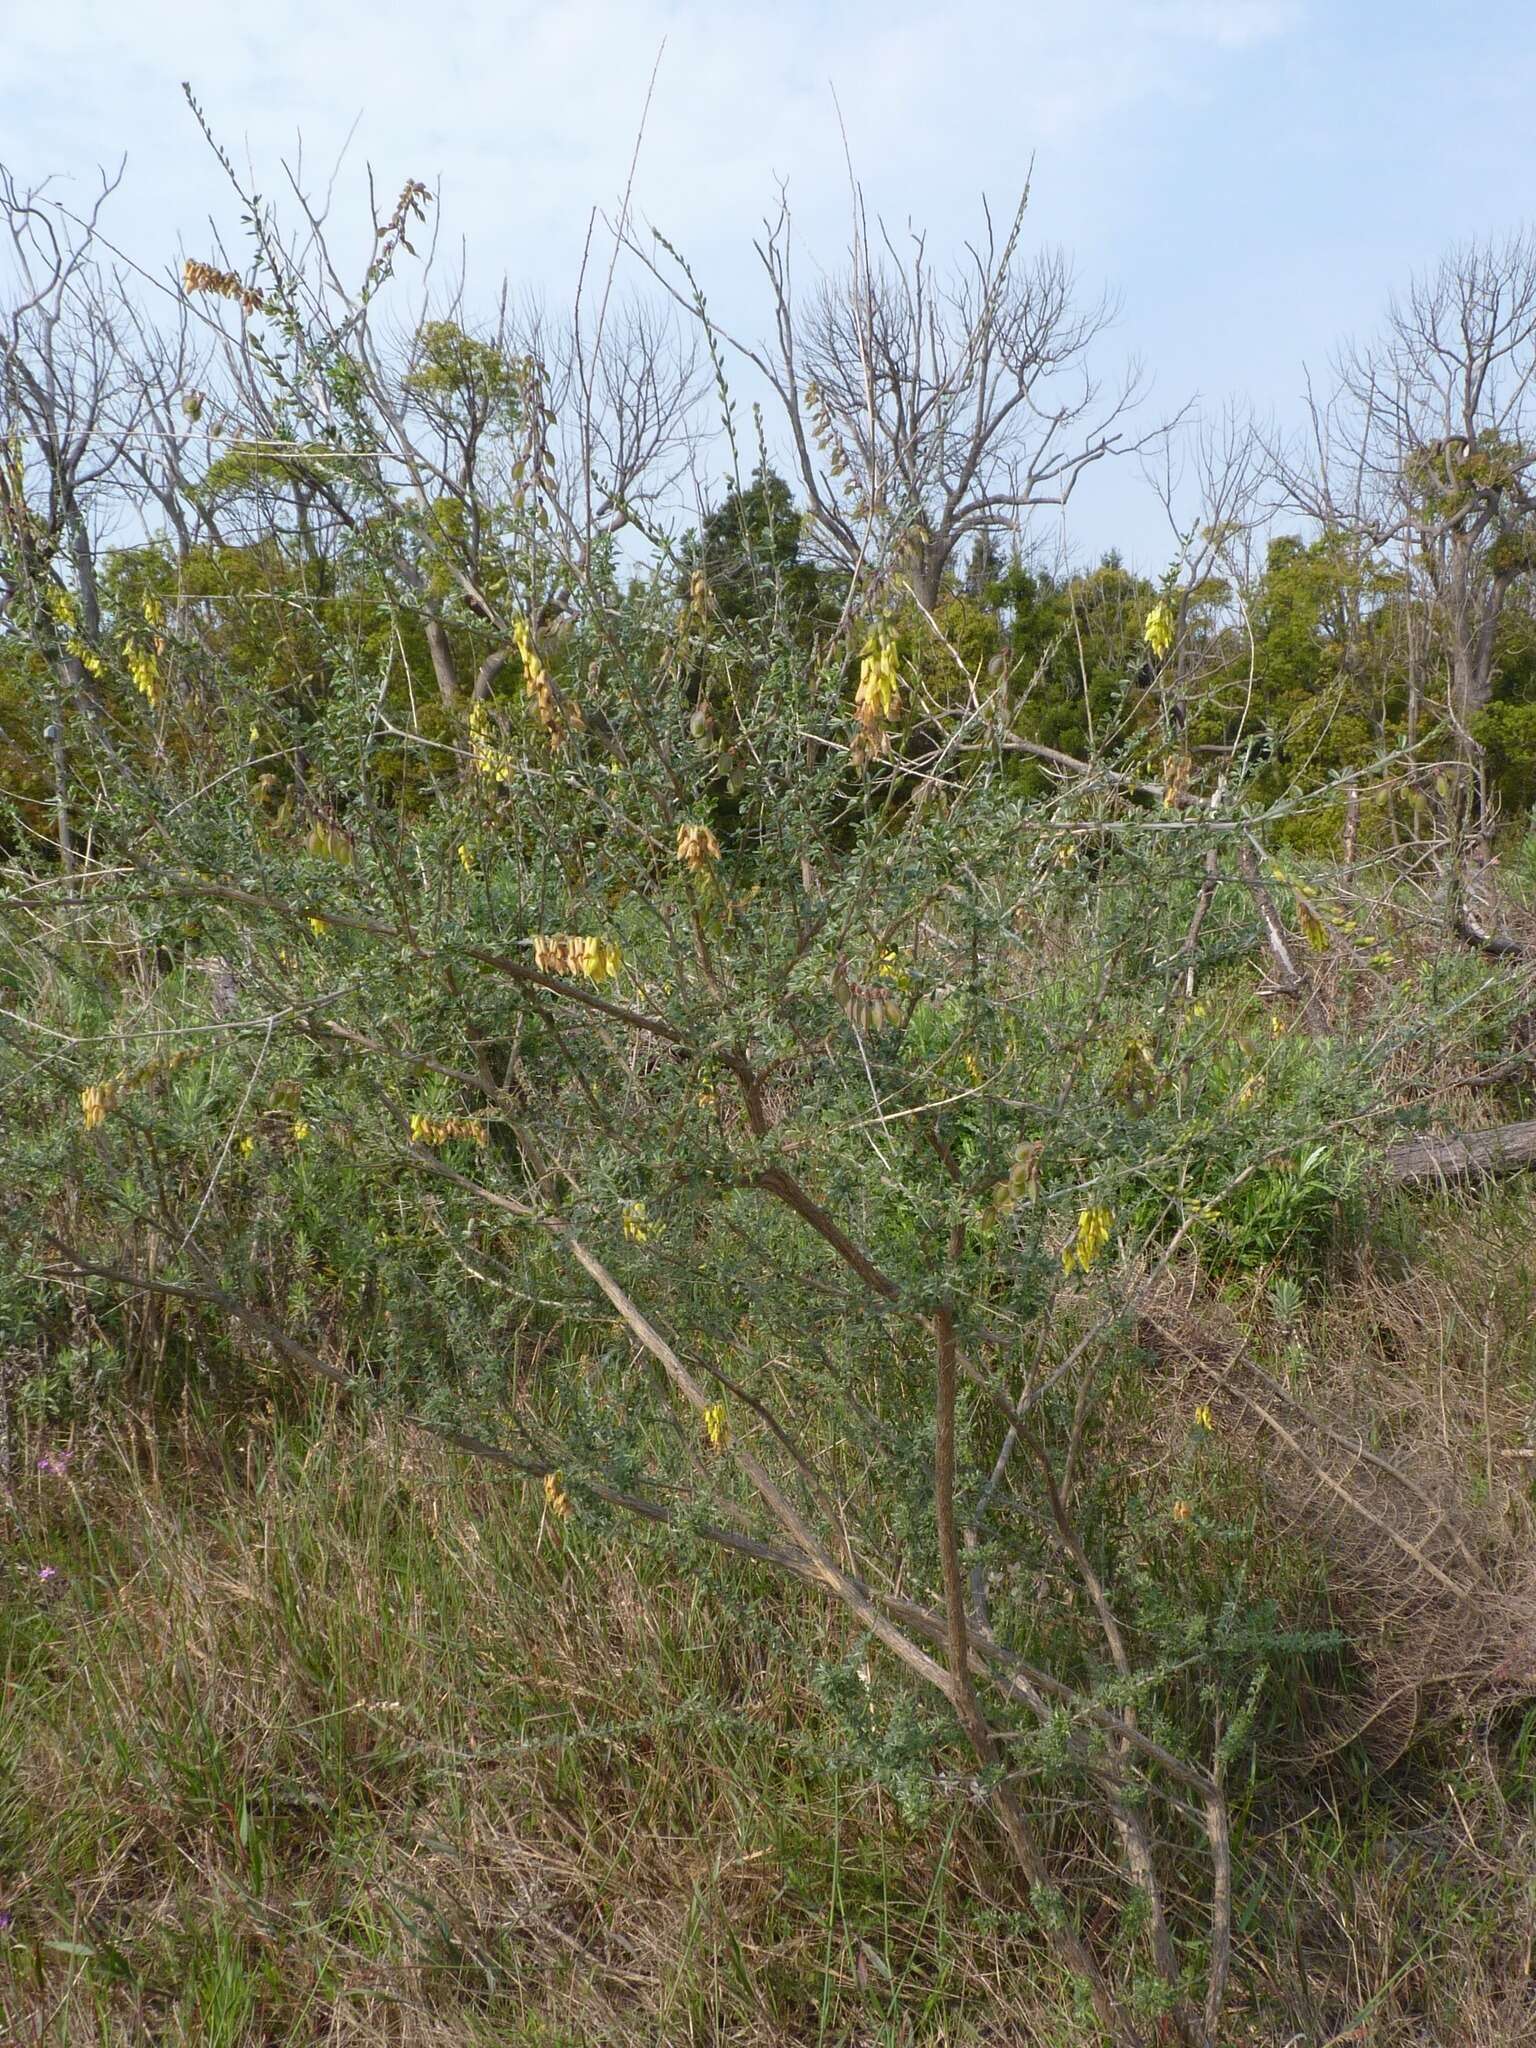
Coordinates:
(47, 1571)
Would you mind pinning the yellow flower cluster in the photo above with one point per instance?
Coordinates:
(1158, 632)
(637, 1225)
(717, 1426)
(143, 672)
(99, 1099)
(437, 1130)
(878, 698)
(95, 1102)
(541, 691)
(495, 762)
(587, 959)
(697, 846)
(65, 614)
(556, 1499)
(1085, 1250)
(221, 284)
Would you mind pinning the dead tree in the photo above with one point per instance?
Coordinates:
(1425, 451)
(67, 414)
(925, 410)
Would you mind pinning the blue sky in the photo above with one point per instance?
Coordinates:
(1252, 178)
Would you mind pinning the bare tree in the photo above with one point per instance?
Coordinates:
(171, 420)
(1426, 450)
(482, 463)
(67, 413)
(925, 411)
(1209, 481)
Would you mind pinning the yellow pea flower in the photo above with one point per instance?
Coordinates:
(95, 1101)
(1085, 1250)
(1158, 631)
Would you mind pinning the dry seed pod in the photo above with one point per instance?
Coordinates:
(697, 847)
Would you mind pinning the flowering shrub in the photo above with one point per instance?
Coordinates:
(718, 1103)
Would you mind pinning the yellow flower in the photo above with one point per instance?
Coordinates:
(1085, 1250)
(635, 1222)
(247, 1146)
(878, 698)
(1182, 1511)
(300, 1129)
(431, 1130)
(717, 1427)
(556, 1499)
(496, 763)
(146, 677)
(95, 1101)
(466, 860)
(601, 960)
(541, 692)
(317, 926)
(596, 959)
(1203, 1417)
(1158, 631)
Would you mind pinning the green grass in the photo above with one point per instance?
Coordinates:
(317, 1735)
(314, 1735)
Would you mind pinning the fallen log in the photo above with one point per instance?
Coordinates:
(1485, 941)
(1476, 1155)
